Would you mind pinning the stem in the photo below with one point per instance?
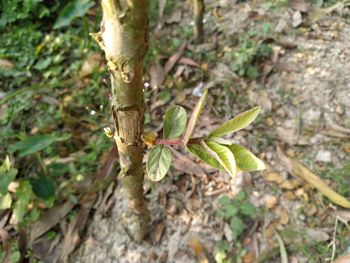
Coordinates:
(124, 41)
(198, 12)
(41, 163)
(178, 141)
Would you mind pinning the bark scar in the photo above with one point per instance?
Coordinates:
(127, 74)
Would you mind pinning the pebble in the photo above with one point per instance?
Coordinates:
(323, 156)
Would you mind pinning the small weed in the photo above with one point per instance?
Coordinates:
(251, 53)
(234, 211)
(340, 175)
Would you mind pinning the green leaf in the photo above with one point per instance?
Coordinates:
(237, 226)
(248, 210)
(6, 177)
(283, 251)
(34, 144)
(23, 194)
(245, 160)
(199, 151)
(194, 117)
(239, 122)
(223, 155)
(240, 196)
(72, 10)
(6, 165)
(158, 162)
(174, 122)
(252, 72)
(231, 211)
(5, 201)
(225, 200)
(34, 214)
(15, 257)
(43, 187)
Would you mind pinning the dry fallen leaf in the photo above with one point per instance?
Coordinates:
(318, 13)
(274, 177)
(270, 230)
(260, 98)
(249, 257)
(344, 215)
(298, 170)
(90, 64)
(5, 237)
(300, 5)
(198, 249)
(270, 201)
(4, 63)
(174, 59)
(175, 17)
(49, 219)
(297, 19)
(284, 216)
(288, 185)
(343, 259)
(186, 165)
(157, 76)
(288, 135)
(337, 131)
(282, 25)
(189, 62)
(227, 232)
(158, 232)
(289, 195)
(75, 229)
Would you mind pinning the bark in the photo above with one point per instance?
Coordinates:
(198, 12)
(123, 37)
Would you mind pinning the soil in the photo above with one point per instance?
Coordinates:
(305, 98)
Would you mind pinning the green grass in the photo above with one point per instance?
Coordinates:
(44, 94)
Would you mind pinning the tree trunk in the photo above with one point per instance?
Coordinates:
(198, 12)
(123, 37)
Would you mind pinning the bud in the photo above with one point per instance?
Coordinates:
(148, 138)
(108, 132)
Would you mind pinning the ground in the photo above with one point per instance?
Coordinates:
(297, 71)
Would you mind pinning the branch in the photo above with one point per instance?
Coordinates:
(178, 141)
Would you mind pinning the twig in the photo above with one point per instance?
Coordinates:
(333, 242)
(178, 141)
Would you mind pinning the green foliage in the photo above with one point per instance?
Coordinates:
(200, 151)
(15, 257)
(223, 155)
(194, 117)
(174, 122)
(5, 201)
(23, 195)
(221, 255)
(252, 51)
(43, 187)
(72, 10)
(245, 160)
(47, 95)
(237, 123)
(7, 175)
(340, 175)
(158, 162)
(14, 10)
(213, 150)
(33, 144)
(234, 211)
